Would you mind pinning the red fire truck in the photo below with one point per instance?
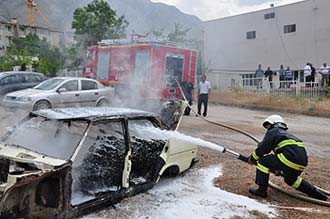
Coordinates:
(145, 67)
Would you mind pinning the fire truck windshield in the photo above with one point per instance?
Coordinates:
(173, 71)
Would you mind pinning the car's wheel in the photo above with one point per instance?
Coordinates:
(42, 104)
(172, 171)
(103, 103)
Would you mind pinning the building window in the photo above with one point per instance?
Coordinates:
(289, 28)
(8, 27)
(269, 16)
(251, 35)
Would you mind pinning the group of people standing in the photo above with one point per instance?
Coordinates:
(319, 76)
(312, 77)
(285, 76)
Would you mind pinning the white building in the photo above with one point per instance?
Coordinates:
(291, 35)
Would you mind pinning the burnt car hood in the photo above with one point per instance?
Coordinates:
(20, 154)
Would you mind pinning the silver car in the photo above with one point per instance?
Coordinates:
(61, 92)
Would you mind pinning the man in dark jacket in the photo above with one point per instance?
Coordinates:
(289, 157)
(188, 88)
(269, 73)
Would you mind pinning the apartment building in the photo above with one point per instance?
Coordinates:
(10, 29)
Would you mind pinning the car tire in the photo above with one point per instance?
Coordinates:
(42, 104)
(103, 103)
(172, 171)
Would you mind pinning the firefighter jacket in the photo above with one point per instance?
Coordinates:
(287, 148)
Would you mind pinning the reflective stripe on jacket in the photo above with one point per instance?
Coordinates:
(288, 148)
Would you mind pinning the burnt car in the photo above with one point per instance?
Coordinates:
(63, 163)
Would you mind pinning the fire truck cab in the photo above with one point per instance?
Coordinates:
(150, 69)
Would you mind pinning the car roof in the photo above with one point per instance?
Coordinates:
(19, 72)
(66, 78)
(91, 113)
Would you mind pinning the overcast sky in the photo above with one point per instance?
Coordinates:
(212, 9)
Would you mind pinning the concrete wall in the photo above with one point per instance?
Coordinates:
(226, 46)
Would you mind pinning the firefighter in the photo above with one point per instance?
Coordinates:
(289, 159)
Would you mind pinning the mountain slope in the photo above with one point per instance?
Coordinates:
(143, 15)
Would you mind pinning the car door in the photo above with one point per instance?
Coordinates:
(22, 81)
(99, 167)
(31, 80)
(67, 95)
(89, 93)
(146, 148)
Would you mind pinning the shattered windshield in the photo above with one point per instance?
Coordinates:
(49, 84)
(55, 138)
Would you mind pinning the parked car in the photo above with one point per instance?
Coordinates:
(17, 80)
(61, 92)
(63, 163)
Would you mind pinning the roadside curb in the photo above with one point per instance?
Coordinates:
(276, 108)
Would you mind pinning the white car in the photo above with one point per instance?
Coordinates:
(61, 92)
(63, 163)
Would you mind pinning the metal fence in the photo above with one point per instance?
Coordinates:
(69, 73)
(246, 81)
(283, 88)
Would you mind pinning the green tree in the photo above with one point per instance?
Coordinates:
(97, 21)
(23, 49)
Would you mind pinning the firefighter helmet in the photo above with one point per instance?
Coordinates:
(274, 119)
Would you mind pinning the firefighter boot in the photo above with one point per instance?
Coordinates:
(317, 194)
(261, 191)
(311, 191)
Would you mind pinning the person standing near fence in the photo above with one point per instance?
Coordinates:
(308, 74)
(324, 71)
(269, 73)
(259, 75)
(313, 74)
(282, 76)
(288, 77)
(204, 89)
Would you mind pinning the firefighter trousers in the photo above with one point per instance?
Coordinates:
(270, 163)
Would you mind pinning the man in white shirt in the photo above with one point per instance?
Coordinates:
(324, 71)
(308, 73)
(204, 89)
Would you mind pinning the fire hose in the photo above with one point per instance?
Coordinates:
(245, 159)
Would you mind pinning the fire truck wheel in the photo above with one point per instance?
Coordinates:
(102, 103)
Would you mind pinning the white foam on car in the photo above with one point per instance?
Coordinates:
(191, 196)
